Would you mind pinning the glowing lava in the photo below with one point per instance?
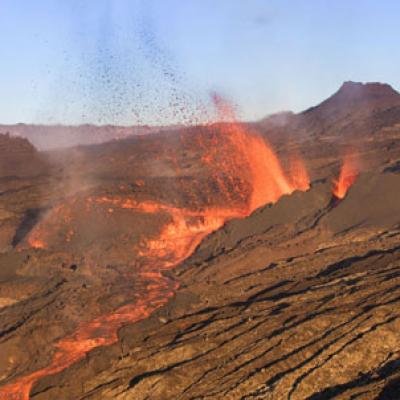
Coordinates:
(245, 150)
(347, 176)
(246, 172)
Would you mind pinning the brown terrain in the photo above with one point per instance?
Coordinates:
(200, 263)
(49, 137)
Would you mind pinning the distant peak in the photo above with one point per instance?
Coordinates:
(350, 89)
(353, 96)
(351, 84)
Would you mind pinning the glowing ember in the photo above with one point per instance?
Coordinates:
(37, 243)
(347, 177)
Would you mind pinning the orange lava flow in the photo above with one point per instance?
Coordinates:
(243, 168)
(101, 331)
(176, 241)
(347, 176)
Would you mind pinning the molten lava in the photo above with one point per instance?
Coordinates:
(250, 151)
(243, 169)
(347, 176)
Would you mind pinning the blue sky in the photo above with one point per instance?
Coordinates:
(156, 61)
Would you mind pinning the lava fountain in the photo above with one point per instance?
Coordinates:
(250, 150)
(347, 176)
